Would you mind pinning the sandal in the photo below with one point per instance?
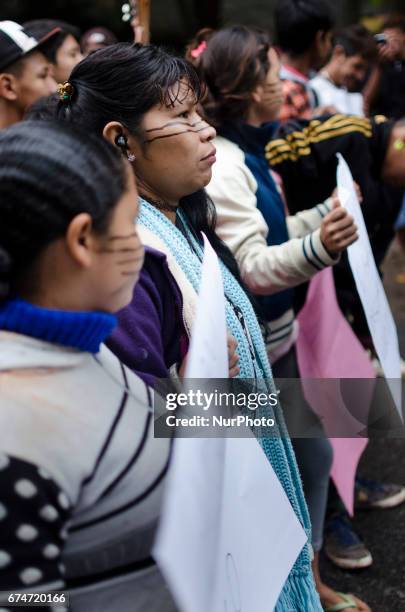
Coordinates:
(348, 602)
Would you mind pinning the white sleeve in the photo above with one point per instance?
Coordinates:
(265, 269)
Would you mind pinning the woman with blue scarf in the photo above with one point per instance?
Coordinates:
(145, 102)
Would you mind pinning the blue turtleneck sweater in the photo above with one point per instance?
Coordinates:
(81, 330)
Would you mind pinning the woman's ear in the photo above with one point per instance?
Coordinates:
(80, 239)
(257, 94)
(119, 136)
(113, 131)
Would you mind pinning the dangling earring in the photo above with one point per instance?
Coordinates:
(131, 157)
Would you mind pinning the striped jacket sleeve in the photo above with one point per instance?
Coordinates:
(301, 139)
(303, 153)
(265, 269)
(306, 221)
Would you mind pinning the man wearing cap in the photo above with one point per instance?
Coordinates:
(25, 72)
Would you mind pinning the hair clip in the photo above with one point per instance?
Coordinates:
(399, 145)
(198, 50)
(66, 91)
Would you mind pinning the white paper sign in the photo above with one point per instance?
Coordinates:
(260, 536)
(228, 536)
(370, 288)
(208, 355)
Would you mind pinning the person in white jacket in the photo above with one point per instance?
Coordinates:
(275, 251)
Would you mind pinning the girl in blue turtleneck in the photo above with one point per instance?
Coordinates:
(275, 251)
(81, 475)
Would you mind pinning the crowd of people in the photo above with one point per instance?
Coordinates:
(116, 158)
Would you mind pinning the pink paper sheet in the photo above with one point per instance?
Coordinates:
(327, 348)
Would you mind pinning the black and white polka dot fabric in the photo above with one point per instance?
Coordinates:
(33, 515)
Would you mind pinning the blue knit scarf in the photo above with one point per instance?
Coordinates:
(299, 593)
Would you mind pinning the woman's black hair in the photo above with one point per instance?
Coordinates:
(41, 27)
(49, 173)
(122, 83)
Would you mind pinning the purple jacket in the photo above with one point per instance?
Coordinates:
(151, 336)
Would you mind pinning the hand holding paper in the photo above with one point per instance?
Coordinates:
(338, 230)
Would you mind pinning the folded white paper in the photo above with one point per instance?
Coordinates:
(370, 288)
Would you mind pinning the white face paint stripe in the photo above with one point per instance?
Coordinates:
(15, 32)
